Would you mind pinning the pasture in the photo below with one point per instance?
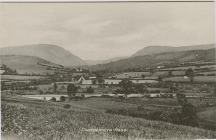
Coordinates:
(208, 118)
(208, 114)
(198, 79)
(20, 77)
(34, 119)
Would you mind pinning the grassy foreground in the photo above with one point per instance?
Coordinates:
(32, 119)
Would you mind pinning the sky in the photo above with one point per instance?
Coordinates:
(98, 31)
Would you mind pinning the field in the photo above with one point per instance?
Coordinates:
(104, 104)
(20, 77)
(34, 119)
(193, 67)
(208, 117)
(130, 103)
(199, 79)
(208, 73)
(209, 114)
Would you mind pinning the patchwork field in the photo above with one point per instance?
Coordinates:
(199, 79)
(208, 117)
(20, 77)
(34, 119)
(209, 114)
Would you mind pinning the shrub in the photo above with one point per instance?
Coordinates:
(67, 106)
(77, 98)
(40, 91)
(90, 90)
(62, 98)
(188, 115)
(53, 99)
(106, 96)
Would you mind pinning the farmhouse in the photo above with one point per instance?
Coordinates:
(143, 81)
(79, 74)
(135, 81)
(2, 70)
(87, 80)
(112, 81)
(131, 75)
(154, 95)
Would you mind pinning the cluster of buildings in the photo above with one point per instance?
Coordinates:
(134, 77)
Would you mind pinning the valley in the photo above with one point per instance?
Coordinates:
(160, 95)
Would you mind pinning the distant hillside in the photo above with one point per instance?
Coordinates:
(157, 59)
(67, 124)
(160, 49)
(26, 64)
(94, 62)
(48, 52)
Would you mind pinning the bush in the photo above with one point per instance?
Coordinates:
(67, 106)
(62, 98)
(77, 98)
(186, 116)
(189, 115)
(106, 96)
(40, 91)
(90, 90)
(53, 99)
(212, 74)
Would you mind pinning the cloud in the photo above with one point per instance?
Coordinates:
(101, 31)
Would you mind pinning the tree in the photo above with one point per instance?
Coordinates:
(173, 88)
(214, 90)
(190, 73)
(170, 73)
(151, 70)
(126, 86)
(189, 114)
(100, 80)
(71, 90)
(62, 98)
(8, 70)
(140, 88)
(94, 81)
(53, 99)
(90, 90)
(55, 87)
(160, 78)
(62, 87)
(181, 98)
(143, 76)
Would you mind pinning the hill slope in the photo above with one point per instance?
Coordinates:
(48, 52)
(95, 62)
(33, 119)
(160, 49)
(158, 59)
(26, 64)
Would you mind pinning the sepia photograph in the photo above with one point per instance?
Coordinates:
(108, 70)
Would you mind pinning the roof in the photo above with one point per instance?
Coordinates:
(153, 78)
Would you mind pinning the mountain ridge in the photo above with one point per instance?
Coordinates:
(49, 52)
(95, 62)
(156, 59)
(27, 64)
(160, 49)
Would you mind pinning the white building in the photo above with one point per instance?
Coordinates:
(135, 81)
(87, 81)
(143, 81)
(112, 81)
(131, 75)
(2, 71)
